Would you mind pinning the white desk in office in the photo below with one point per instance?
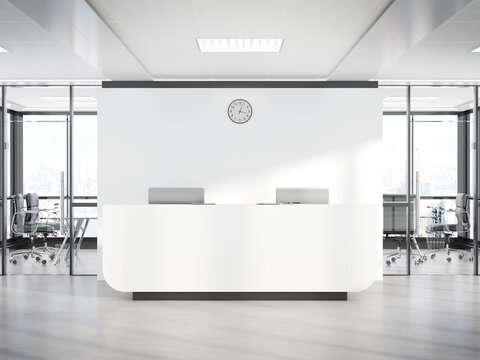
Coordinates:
(240, 251)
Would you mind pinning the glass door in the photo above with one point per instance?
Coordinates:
(441, 243)
(38, 164)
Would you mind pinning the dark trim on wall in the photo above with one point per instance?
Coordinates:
(57, 113)
(425, 112)
(239, 296)
(238, 84)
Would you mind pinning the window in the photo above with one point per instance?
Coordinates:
(435, 151)
(85, 155)
(394, 154)
(44, 153)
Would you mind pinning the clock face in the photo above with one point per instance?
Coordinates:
(240, 111)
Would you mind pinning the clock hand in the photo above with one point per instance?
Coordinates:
(241, 107)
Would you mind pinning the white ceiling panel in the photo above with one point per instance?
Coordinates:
(445, 53)
(162, 34)
(9, 14)
(149, 10)
(33, 53)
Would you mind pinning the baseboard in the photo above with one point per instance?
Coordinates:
(240, 296)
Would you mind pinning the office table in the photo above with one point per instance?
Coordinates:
(79, 229)
(240, 251)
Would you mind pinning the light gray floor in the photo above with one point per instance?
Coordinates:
(62, 317)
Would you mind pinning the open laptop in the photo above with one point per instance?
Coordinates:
(302, 196)
(171, 195)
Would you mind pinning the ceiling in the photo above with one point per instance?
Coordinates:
(94, 40)
(445, 53)
(162, 34)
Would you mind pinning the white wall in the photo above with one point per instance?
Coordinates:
(183, 137)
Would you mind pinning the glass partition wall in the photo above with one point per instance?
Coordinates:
(51, 154)
(439, 167)
(394, 181)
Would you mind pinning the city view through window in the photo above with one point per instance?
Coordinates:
(435, 154)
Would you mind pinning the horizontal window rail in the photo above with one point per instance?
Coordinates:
(84, 204)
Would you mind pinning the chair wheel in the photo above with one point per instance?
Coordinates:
(449, 259)
(44, 261)
(460, 256)
(424, 257)
(388, 262)
(25, 257)
(432, 256)
(52, 256)
(394, 259)
(14, 261)
(37, 258)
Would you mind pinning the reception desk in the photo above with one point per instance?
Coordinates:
(240, 251)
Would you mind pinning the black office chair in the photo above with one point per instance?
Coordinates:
(25, 223)
(462, 225)
(45, 226)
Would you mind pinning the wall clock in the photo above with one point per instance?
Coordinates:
(240, 111)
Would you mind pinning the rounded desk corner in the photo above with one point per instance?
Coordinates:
(364, 285)
(112, 284)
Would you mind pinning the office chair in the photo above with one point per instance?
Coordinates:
(463, 224)
(44, 228)
(25, 222)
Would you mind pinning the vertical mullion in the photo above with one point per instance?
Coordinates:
(408, 178)
(70, 179)
(3, 163)
(475, 181)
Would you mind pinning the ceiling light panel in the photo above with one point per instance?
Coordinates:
(240, 45)
(3, 50)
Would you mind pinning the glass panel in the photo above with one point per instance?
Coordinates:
(85, 179)
(394, 180)
(473, 170)
(40, 118)
(85, 155)
(44, 153)
(7, 185)
(435, 155)
(439, 117)
(86, 240)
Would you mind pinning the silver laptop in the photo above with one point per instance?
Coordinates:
(302, 195)
(170, 195)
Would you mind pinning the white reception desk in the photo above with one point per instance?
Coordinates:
(240, 251)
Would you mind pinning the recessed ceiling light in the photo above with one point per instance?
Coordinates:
(66, 98)
(239, 45)
(3, 50)
(413, 98)
(476, 50)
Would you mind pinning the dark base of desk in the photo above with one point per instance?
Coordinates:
(309, 296)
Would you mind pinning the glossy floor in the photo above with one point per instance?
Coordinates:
(62, 317)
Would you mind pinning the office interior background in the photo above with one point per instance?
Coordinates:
(376, 100)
